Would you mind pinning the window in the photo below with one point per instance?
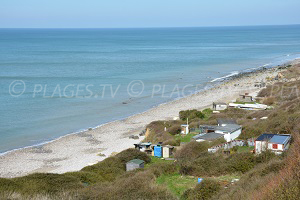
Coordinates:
(275, 146)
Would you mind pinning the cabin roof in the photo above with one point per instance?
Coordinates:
(136, 161)
(280, 139)
(265, 137)
(226, 121)
(208, 136)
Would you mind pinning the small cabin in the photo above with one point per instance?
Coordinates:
(185, 129)
(226, 121)
(219, 106)
(277, 143)
(144, 147)
(157, 151)
(134, 164)
(167, 151)
(245, 98)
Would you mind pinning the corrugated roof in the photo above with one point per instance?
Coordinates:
(226, 121)
(280, 139)
(265, 137)
(136, 161)
(228, 128)
(209, 136)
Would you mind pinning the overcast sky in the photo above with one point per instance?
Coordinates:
(146, 13)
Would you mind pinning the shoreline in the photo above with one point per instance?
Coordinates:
(74, 151)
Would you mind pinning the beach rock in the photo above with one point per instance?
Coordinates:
(136, 137)
(142, 133)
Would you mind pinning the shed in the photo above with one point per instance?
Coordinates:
(185, 129)
(225, 121)
(208, 137)
(167, 151)
(277, 143)
(158, 151)
(134, 164)
(246, 98)
(219, 106)
(144, 147)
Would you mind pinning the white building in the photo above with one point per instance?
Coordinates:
(248, 106)
(277, 143)
(185, 129)
(226, 127)
(219, 106)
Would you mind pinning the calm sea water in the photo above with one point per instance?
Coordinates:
(56, 65)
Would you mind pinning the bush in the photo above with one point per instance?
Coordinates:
(130, 154)
(269, 101)
(205, 190)
(138, 186)
(163, 168)
(109, 168)
(41, 183)
(191, 114)
(87, 177)
(172, 142)
(191, 151)
(206, 164)
(241, 162)
(175, 129)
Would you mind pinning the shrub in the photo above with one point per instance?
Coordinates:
(269, 101)
(191, 114)
(163, 168)
(175, 129)
(172, 142)
(241, 162)
(138, 186)
(205, 190)
(130, 154)
(191, 151)
(109, 168)
(206, 164)
(42, 183)
(87, 177)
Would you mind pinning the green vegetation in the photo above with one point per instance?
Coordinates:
(177, 183)
(184, 138)
(244, 149)
(155, 160)
(191, 114)
(205, 190)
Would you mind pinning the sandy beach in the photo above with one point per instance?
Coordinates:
(75, 151)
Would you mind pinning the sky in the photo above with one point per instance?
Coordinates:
(146, 13)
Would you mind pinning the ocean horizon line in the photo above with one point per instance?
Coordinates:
(156, 27)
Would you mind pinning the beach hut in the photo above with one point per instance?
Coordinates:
(225, 121)
(134, 164)
(167, 151)
(245, 98)
(219, 106)
(158, 151)
(185, 129)
(144, 147)
(277, 143)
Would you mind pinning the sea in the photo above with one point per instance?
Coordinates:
(55, 82)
